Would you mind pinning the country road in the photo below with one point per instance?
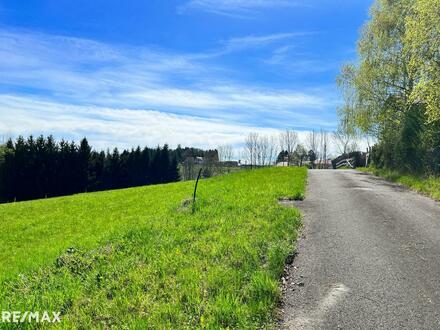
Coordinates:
(369, 257)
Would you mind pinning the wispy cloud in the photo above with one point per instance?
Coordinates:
(237, 8)
(249, 42)
(285, 58)
(228, 96)
(121, 95)
(86, 72)
(253, 41)
(279, 55)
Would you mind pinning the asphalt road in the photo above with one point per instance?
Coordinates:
(368, 258)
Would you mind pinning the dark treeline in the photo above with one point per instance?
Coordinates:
(38, 168)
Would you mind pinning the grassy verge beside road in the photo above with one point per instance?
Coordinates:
(426, 185)
(140, 258)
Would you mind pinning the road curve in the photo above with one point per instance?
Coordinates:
(368, 258)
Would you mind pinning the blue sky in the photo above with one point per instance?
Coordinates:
(195, 72)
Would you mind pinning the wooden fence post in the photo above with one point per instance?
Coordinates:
(195, 191)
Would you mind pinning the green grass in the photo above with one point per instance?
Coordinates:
(212, 170)
(429, 186)
(141, 259)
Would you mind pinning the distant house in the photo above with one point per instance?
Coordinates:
(199, 160)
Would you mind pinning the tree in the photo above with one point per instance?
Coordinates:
(288, 142)
(323, 148)
(38, 168)
(52, 152)
(377, 89)
(96, 171)
(164, 164)
(300, 154)
(113, 169)
(8, 172)
(344, 140)
(84, 153)
(263, 146)
(225, 152)
(72, 167)
(393, 93)
(312, 157)
(312, 143)
(272, 150)
(421, 46)
(251, 144)
(282, 156)
(145, 167)
(173, 171)
(178, 154)
(155, 176)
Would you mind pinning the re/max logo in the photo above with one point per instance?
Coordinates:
(27, 316)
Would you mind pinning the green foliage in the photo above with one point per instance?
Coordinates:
(3, 181)
(393, 91)
(299, 155)
(282, 156)
(138, 258)
(422, 44)
(312, 156)
(2, 152)
(38, 168)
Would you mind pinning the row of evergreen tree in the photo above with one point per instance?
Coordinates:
(38, 168)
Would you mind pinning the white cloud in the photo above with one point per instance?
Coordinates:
(249, 42)
(290, 61)
(123, 128)
(80, 71)
(28, 58)
(237, 8)
(110, 127)
(253, 41)
(124, 96)
(229, 97)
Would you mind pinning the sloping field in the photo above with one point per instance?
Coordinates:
(139, 257)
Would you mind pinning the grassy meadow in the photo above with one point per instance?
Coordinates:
(429, 186)
(140, 258)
